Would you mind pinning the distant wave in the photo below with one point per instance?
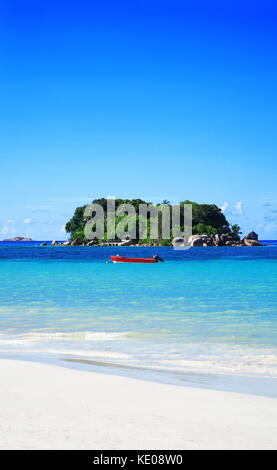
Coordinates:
(179, 359)
(262, 365)
(77, 335)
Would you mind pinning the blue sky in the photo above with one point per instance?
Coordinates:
(153, 99)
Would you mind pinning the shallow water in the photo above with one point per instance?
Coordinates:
(203, 311)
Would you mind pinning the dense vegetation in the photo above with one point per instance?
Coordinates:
(206, 218)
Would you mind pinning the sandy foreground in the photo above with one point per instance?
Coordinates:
(50, 407)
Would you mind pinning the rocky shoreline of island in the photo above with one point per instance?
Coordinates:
(225, 239)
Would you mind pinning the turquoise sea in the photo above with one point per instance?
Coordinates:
(206, 316)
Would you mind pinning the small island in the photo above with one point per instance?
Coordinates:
(209, 228)
(18, 239)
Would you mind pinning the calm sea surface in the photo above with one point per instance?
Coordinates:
(204, 313)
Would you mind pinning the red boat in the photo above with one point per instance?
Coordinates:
(124, 259)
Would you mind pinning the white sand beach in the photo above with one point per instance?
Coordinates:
(51, 407)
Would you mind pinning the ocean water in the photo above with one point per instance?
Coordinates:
(203, 316)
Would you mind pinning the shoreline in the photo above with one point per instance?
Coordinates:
(50, 407)
(66, 243)
(245, 384)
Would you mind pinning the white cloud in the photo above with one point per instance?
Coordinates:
(62, 229)
(233, 210)
(7, 230)
(224, 207)
(271, 227)
(26, 221)
(238, 208)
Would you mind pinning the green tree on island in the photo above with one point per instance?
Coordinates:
(206, 218)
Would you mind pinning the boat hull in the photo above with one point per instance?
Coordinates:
(124, 259)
